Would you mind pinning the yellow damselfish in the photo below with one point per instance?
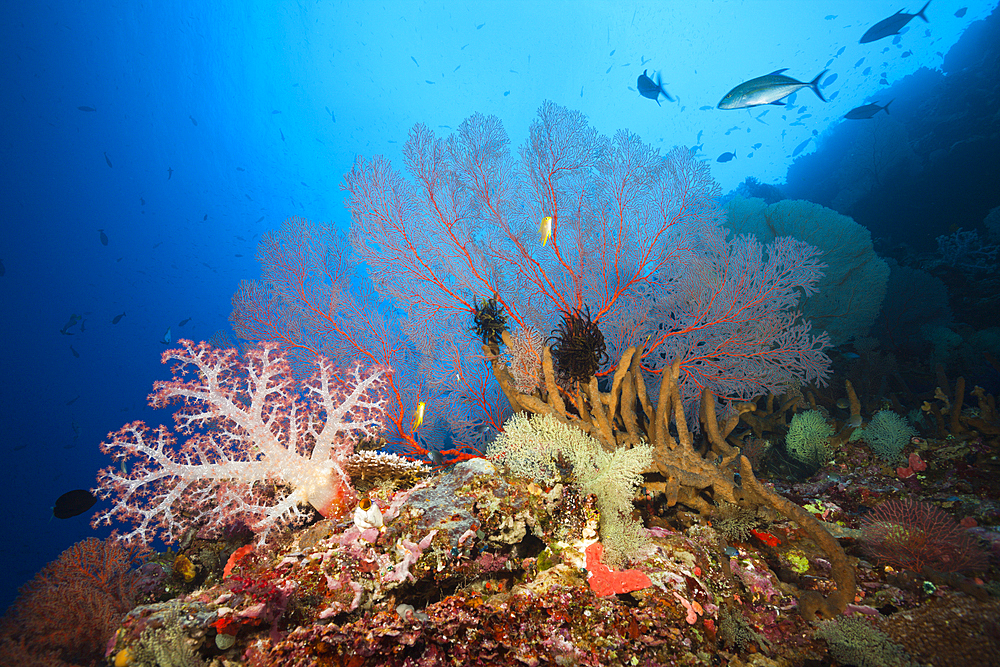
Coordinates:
(418, 417)
(545, 228)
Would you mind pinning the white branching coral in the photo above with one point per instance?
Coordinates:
(256, 444)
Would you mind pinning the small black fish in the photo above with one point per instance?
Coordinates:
(205, 218)
(73, 400)
(75, 353)
(275, 111)
(240, 169)
(86, 108)
(170, 172)
(184, 321)
(650, 89)
(480, 26)
(726, 157)
(193, 121)
(107, 159)
(118, 318)
(281, 133)
(414, 61)
(104, 237)
(261, 219)
(959, 14)
(73, 503)
(142, 201)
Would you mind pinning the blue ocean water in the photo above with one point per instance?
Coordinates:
(180, 132)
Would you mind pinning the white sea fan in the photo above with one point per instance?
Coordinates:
(524, 359)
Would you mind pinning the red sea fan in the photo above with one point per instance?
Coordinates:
(69, 611)
(908, 534)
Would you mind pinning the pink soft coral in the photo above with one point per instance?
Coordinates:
(257, 444)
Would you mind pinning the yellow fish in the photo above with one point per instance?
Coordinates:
(418, 417)
(545, 228)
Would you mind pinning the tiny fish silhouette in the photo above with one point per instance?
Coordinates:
(170, 172)
(86, 108)
(107, 159)
(104, 237)
(118, 318)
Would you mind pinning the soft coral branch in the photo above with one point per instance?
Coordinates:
(257, 444)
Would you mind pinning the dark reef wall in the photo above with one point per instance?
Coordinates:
(930, 165)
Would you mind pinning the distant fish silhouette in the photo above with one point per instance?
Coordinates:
(75, 353)
(961, 12)
(73, 319)
(104, 237)
(866, 111)
(166, 337)
(726, 157)
(184, 321)
(651, 89)
(891, 25)
(118, 318)
(107, 159)
(193, 121)
(86, 108)
(73, 503)
(170, 172)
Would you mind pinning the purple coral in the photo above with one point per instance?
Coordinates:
(911, 535)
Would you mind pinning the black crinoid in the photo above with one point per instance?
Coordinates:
(490, 321)
(578, 348)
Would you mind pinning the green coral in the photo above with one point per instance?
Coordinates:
(855, 641)
(535, 448)
(808, 438)
(734, 522)
(887, 433)
(798, 561)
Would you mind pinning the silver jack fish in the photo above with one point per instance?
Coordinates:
(767, 89)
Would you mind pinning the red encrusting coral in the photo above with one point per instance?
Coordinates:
(605, 581)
